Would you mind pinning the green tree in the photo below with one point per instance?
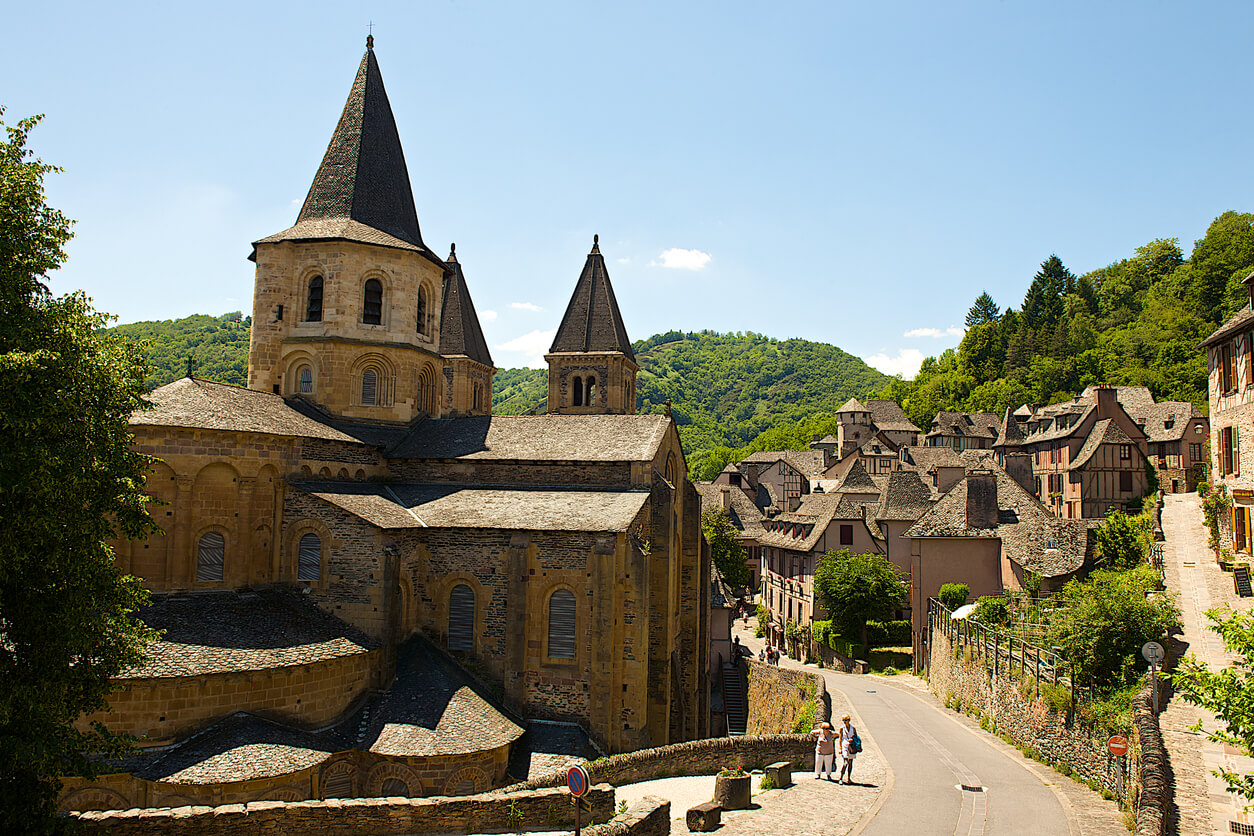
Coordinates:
(725, 549)
(857, 588)
(1228, 693)
(70, 482)
(984, 310)
(1106, 619)
(1124, 541)
(953, 595)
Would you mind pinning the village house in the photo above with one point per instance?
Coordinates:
(351, 535)
(744, 515)
(1086, 456)
(1177, 436)
(1230, 387)
(963, 430)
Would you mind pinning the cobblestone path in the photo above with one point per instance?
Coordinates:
(1202, 804)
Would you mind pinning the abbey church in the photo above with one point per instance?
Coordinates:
(369, 584)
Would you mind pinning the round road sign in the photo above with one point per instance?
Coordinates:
(578, 780)
(1153, 653)
(1118, 746)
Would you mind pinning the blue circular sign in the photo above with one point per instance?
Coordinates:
(578, 780)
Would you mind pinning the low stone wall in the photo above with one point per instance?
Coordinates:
(780, 698)
(650, 816)
(548, 808)
(836, 660)
(1028, 720)
(1155, 783)
(694, 757)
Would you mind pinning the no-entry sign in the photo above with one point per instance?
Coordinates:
(578, 780)
(1117, 745)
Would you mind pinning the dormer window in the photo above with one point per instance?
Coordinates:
(1051, 545)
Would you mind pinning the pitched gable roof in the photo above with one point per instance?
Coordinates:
(459, 324)
(980, 424)
(1105, 431)
(592, 321)
(602, 438)
(888, 415)
(1239, 320)
(857, 480)
(852, 405)
(905, 497)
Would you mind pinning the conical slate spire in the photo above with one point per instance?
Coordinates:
(459, 324)
(363, 177)
(592, 321)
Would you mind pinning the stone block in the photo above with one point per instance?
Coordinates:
(780, 774)
(704, 817)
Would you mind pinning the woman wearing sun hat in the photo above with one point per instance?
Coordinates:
(850, 745)
(824, 750)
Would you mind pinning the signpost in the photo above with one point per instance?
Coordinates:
(1117, 745)
(579, 781)
(1154, 654)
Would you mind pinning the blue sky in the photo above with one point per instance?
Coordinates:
(855, 173)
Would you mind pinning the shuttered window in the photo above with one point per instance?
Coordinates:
(372, 306)
(1125, 481)
(310, 558)
(394, 786)
(338, 784)
(313, 306)
(562, 624)
(369, 387)
(210, 557)
(461, 618)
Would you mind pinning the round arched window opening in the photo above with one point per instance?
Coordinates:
(394, 786)
(372, 304)
(369, 387)
(305, 380)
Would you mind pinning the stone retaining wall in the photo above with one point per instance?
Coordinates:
(547, 808)
(694, 757)
(778, 697)
(1156, 791)
(1028, 720)
(650, 816)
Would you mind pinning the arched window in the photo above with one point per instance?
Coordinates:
(478, 404)
(591, 386)
(369, 387)
(310, 562)
(306, 381)
(461, 618)
(422, 310)
(210, 556)
(394, 786)
(577, 396)
(670, 468)
(313, 305)
(562, 624)
(372, 307)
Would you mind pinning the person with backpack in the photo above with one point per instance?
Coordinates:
(850, 746)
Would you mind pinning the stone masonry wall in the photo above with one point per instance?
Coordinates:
(1028, 721)
(160, 710)
(779, 697)
(485, 813)
(650, 816)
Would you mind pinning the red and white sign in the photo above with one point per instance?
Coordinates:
(578, 780)
(1118, 746)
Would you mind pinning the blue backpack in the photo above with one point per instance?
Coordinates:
(856, 743)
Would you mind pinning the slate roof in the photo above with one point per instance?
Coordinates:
(432, 708)
(398, 506)
(592, 321)
(363, 176)
(1134, 399)
(862, 508)
(1104, 431)
(888, 415)
(1025, 527)
(857, 480)
(1240, 320)
(548, 746)
(906, 497)
(746, 516)
(816, 509)
(203, 404)
(971, 424)
(592, 438)
(853, 405)
(927, 459)
(460, 333)
(808, 462)
(222, 632)
(1179, 414)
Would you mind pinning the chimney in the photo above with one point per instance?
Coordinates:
(725, 498)
(981, 499)
(1106, 401)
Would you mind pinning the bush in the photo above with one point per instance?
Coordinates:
(954, 595)
(767, 783)
(1057, 697)
(1123, 541)
(992, 611)
(888, 633)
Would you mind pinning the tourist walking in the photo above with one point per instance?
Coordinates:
(824, 750)
(850, 746)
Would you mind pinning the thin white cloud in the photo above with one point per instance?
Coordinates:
(487, 316)
(678, 259)
(906, 363)
(934, 332)
(623, 260)
(531, 346)
(526, 306)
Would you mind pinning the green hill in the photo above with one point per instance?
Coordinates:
(218, 346)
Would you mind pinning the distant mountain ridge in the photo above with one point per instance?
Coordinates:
(724, 389)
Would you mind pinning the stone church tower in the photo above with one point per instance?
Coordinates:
(592, 369)
(352, 311)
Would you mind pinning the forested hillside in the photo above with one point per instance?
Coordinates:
(1135, 322)
(217, 345)
(724, 389)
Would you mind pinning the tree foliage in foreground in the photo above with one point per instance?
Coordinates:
(857, 588)
(1227, 693)
(1124, 540)
(725, 550)
(69, 481)
(1106, 619)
